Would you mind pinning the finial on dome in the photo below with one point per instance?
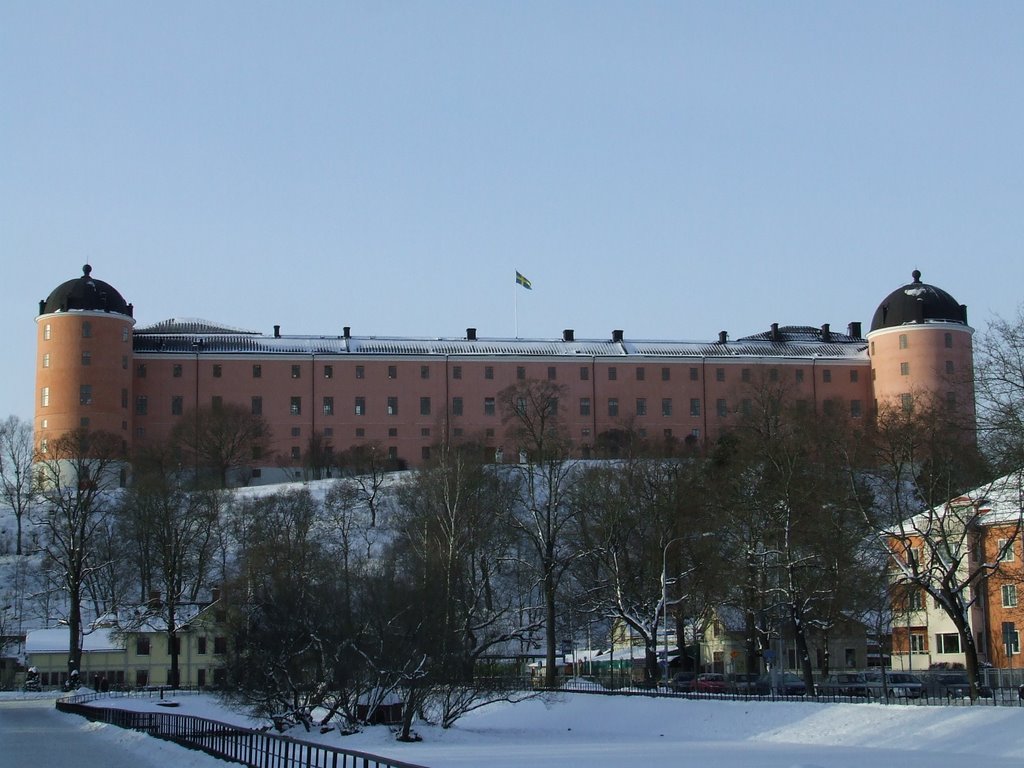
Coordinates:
(916, 274)
(86, 270)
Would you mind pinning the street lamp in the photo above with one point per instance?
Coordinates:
(664, 598)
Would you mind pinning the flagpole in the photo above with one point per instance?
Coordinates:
(515, 304)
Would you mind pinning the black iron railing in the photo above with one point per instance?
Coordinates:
(229, 742)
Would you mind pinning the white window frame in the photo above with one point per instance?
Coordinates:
(1009, 595)
(1009, 555)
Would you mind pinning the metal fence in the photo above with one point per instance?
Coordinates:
(229, 742)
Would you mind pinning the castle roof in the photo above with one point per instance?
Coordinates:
(917, 302)
(85, 293)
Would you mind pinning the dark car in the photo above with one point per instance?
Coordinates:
(684, 682)
(784, 684)
(711, 682)
(742, 682)
(844, 684)
(900, 684)
(955, 685)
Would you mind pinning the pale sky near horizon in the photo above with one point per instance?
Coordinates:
(671, 169)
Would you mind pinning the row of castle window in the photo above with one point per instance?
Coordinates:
(639, 373)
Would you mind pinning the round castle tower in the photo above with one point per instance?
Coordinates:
(83, 360)
(921, 350)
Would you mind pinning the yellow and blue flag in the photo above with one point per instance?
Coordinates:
(521, 280)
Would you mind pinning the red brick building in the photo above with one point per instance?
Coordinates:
(97, 368)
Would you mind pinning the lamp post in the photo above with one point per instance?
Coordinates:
(664, 598)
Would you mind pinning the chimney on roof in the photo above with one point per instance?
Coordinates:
(963, 313)
(346, 332)
(723, 336)
(853, 329)
(277, 331)
(617, 336)
(775, 336)
(826, 332)
(42, 306)
(568, 334)
(471, 334)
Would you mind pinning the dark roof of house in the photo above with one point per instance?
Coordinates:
(85, 293)
(917, 302)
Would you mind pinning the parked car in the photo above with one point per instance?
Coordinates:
(901, 684)
(844, 684)
(684, 682)
(955, 685)
(785, 684)
(710, 682)
(742, 682)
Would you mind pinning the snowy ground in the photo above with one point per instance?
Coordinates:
(610, 732)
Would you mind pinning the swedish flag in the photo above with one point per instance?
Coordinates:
(521, 280)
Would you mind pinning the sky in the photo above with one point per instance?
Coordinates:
(670, 169)
(592, 731)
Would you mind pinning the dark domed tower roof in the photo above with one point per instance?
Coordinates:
(918, 302)
(85, 293)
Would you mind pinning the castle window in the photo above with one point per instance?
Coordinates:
(295, 406)
(799, 375)
(1009, 595)
(457, 372)
(903, 341)
(949, 366)
(296, 452)
(488, 406)
(520, 372)
(328, 371)
(141, 405)
(175, 370)
(392, 406)
(124, 334)
(719, 374)
(613, 407)
(826, 376)
(46, 360)
(328, 406)
(640, 374)
(140, 371)
(296, 371)
(584, 406)
(257, 371)
(907, 401)
(722, 407)
(745, 375)
(177, 405)
(424, 371)
(584, 373)
(694, 406)
(217, 370)
(44, 397)
(257, 406)
(854, 375)
(360, 372)
(360, 406)
(86, 329)
(424, 406)
(666, 406)
(85, 394)
(613, 373)
(904, 369)
(855, 409)
(489, 372)
(694, 374)
(949, 341)
(641, 406)
(552, 373)
(456, 406)
(392, 371)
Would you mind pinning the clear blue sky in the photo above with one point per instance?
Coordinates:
(671, 169)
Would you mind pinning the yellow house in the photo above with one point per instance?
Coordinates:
(117, 658)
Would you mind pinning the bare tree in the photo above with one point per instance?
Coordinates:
(543, 514)
(454, 544)
(74, 478)
(173, 526)
(930, 509)
(17, 453)
(220, 439)
(1000, 392)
